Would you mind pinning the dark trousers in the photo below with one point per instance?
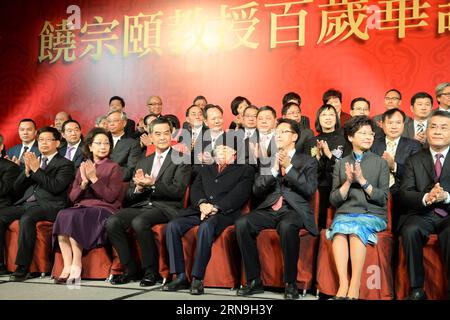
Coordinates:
(415, 232)
(29, 214)
(141, 220)
(208, 231)
(287, 222)
(324, 204)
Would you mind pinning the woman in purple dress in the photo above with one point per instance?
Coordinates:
(96, 194)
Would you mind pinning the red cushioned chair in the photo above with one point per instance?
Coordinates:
(435, 273)
(96, 262)
(271, 255)
(42, 257)
(376, 278)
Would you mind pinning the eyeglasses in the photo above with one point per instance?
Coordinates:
(391, 98)
(446, 94)
(114, 121)
(98, 143)
(361, 109)
(442, 128)
(46, 140)
(154, 104)
(293, 113)
(279, 133)
(366, 134)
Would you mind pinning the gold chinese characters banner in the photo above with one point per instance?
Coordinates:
(75, 55)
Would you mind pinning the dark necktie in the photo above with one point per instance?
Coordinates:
(279, 203)
(25, 149)
(44, 163)
(438, 171)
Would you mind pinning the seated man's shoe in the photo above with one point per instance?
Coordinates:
(291, 291)
(3, 270)
(253, 287)
(197, 287)
(177, 284)
(148, 280)
(417, 294)
(125, 278)
(21, 274)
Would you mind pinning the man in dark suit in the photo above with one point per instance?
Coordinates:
(155, 196)
(193, 132)
(43, 185)
(421, 106)
(287, 187)
(334, 97)
(295, 97)
(217, 195)
(424, 195)
(361, 107)
(392, 100)
(395, 149)
(73, 149)
(292, 111)
(27, 133)
(126, 151)
(117, 103)
(8, 174)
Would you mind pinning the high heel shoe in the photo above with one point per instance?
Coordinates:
(63, 280)
(75, 276)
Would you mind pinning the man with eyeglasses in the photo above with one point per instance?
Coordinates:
(295, 97)
(125, 151)
(361, 107)
(421, 106)
(424, 195)
(42, 187)
(73, 149)
(392, 99)
(9, 172)
(154, 105)
(291, 110)
(286, 185)
(443, 96)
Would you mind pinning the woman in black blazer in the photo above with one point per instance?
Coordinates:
(327, 147)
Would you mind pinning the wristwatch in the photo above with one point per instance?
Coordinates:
(365, 185)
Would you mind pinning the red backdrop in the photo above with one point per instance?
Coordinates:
(29, 88)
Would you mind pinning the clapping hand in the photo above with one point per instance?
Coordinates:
(349, 172)
(390, 160)
(142, 180)
(437, 194)
(90, 171)
(31, 162)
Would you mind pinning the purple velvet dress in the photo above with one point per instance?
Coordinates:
(85, 221)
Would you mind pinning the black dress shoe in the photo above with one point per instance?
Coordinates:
(197, 287)
(3, 270)
(119, 279)
(291, 291)
(21, 274)
(177, 284)
(148, 281)
(255, 286)
(417, 294)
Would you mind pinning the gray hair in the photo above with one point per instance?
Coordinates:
(99, 119)
(440, 88)
(123, 115)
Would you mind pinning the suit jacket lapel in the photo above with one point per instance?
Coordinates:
(400, 149)
(428, 164)
(165, 164)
